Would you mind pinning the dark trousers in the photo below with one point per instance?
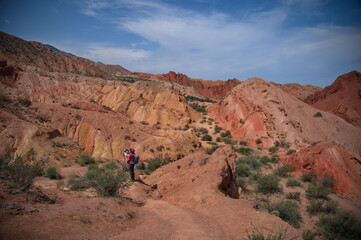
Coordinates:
(131, 170)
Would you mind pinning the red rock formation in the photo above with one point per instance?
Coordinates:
(258, 109)
(299, 91)
(342, 98)
(328, 159)
(205, 88)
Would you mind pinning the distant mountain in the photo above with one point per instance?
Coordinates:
(58, 50)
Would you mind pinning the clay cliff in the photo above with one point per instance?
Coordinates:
(275, 115)
(299, 91)
(342, 98)
(204, 88)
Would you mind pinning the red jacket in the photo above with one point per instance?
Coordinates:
(130, 159)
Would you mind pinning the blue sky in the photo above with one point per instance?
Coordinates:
(303, 41)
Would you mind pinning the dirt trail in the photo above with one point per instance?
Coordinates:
(173, 222)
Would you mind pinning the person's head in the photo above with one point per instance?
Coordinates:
(126, 150)
(132, 150)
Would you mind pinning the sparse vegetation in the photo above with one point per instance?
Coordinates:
(228, 141)
(144, 123)
(26, 102)
(217, 129)
(193, 98)
(258, 141)
(294, 195)
(273, 149)
(52, 173)
(226, 134)
(111, 165)
(340, 226)
(141, 166)
(268, 184)
(290, 152)
(243, 170)
(198, 108)
(242, 183)
(308, 176)
(22, 174)
(4, 100)
(317, 206)
(284, 170)
(207, 137)
(211, 150)
(292, 182)
(84, 159)
(288, 211)
(250, 161)
(203, 130)
(244, 150)
(156, 163)
(75, 107)
(317, 191)
(265, 159)
(243, 143)
(258, 235)
(309, 235)
(328, 181)
(318, 114)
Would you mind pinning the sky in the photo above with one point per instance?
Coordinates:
(283, 41)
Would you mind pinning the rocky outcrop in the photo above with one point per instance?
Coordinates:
(258, 109)
(328, 159)
(342, 98)
(206, 186)
(205, 88)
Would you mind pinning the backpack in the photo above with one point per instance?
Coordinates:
(136, 159)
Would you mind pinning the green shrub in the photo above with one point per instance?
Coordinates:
(75, 107)
(258, 141)
(207, 137)
(268, 184)
(77, 183)
(243, 143)
(258, 235)
(309, 235)
(218, 139)
(156, 163)
(211, 150)
(26, 102)
(294, 196)
(203, 130)
(292, 182)
(198, 108)
(217, 129)
(244, 150)
(290, 152)
(340, 226)
(243, 170)
(105, 181)
(318, 114)
(228, 141)
(111, 165)
(273, 149)
(265, 159)
(315, 207)
(317, 191)
(226, 134)
(141, 166)
(52, 173)
(328, 181)
(284, 170)
(288, 211)
(22, 174)
(4, 100)
(330, 207)
(92, 166)
(144, 123)
(251, 161)
(84, 159)
(308, 176)
(242, 183)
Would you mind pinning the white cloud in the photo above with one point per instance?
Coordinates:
(215, 46)
(111, 55)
